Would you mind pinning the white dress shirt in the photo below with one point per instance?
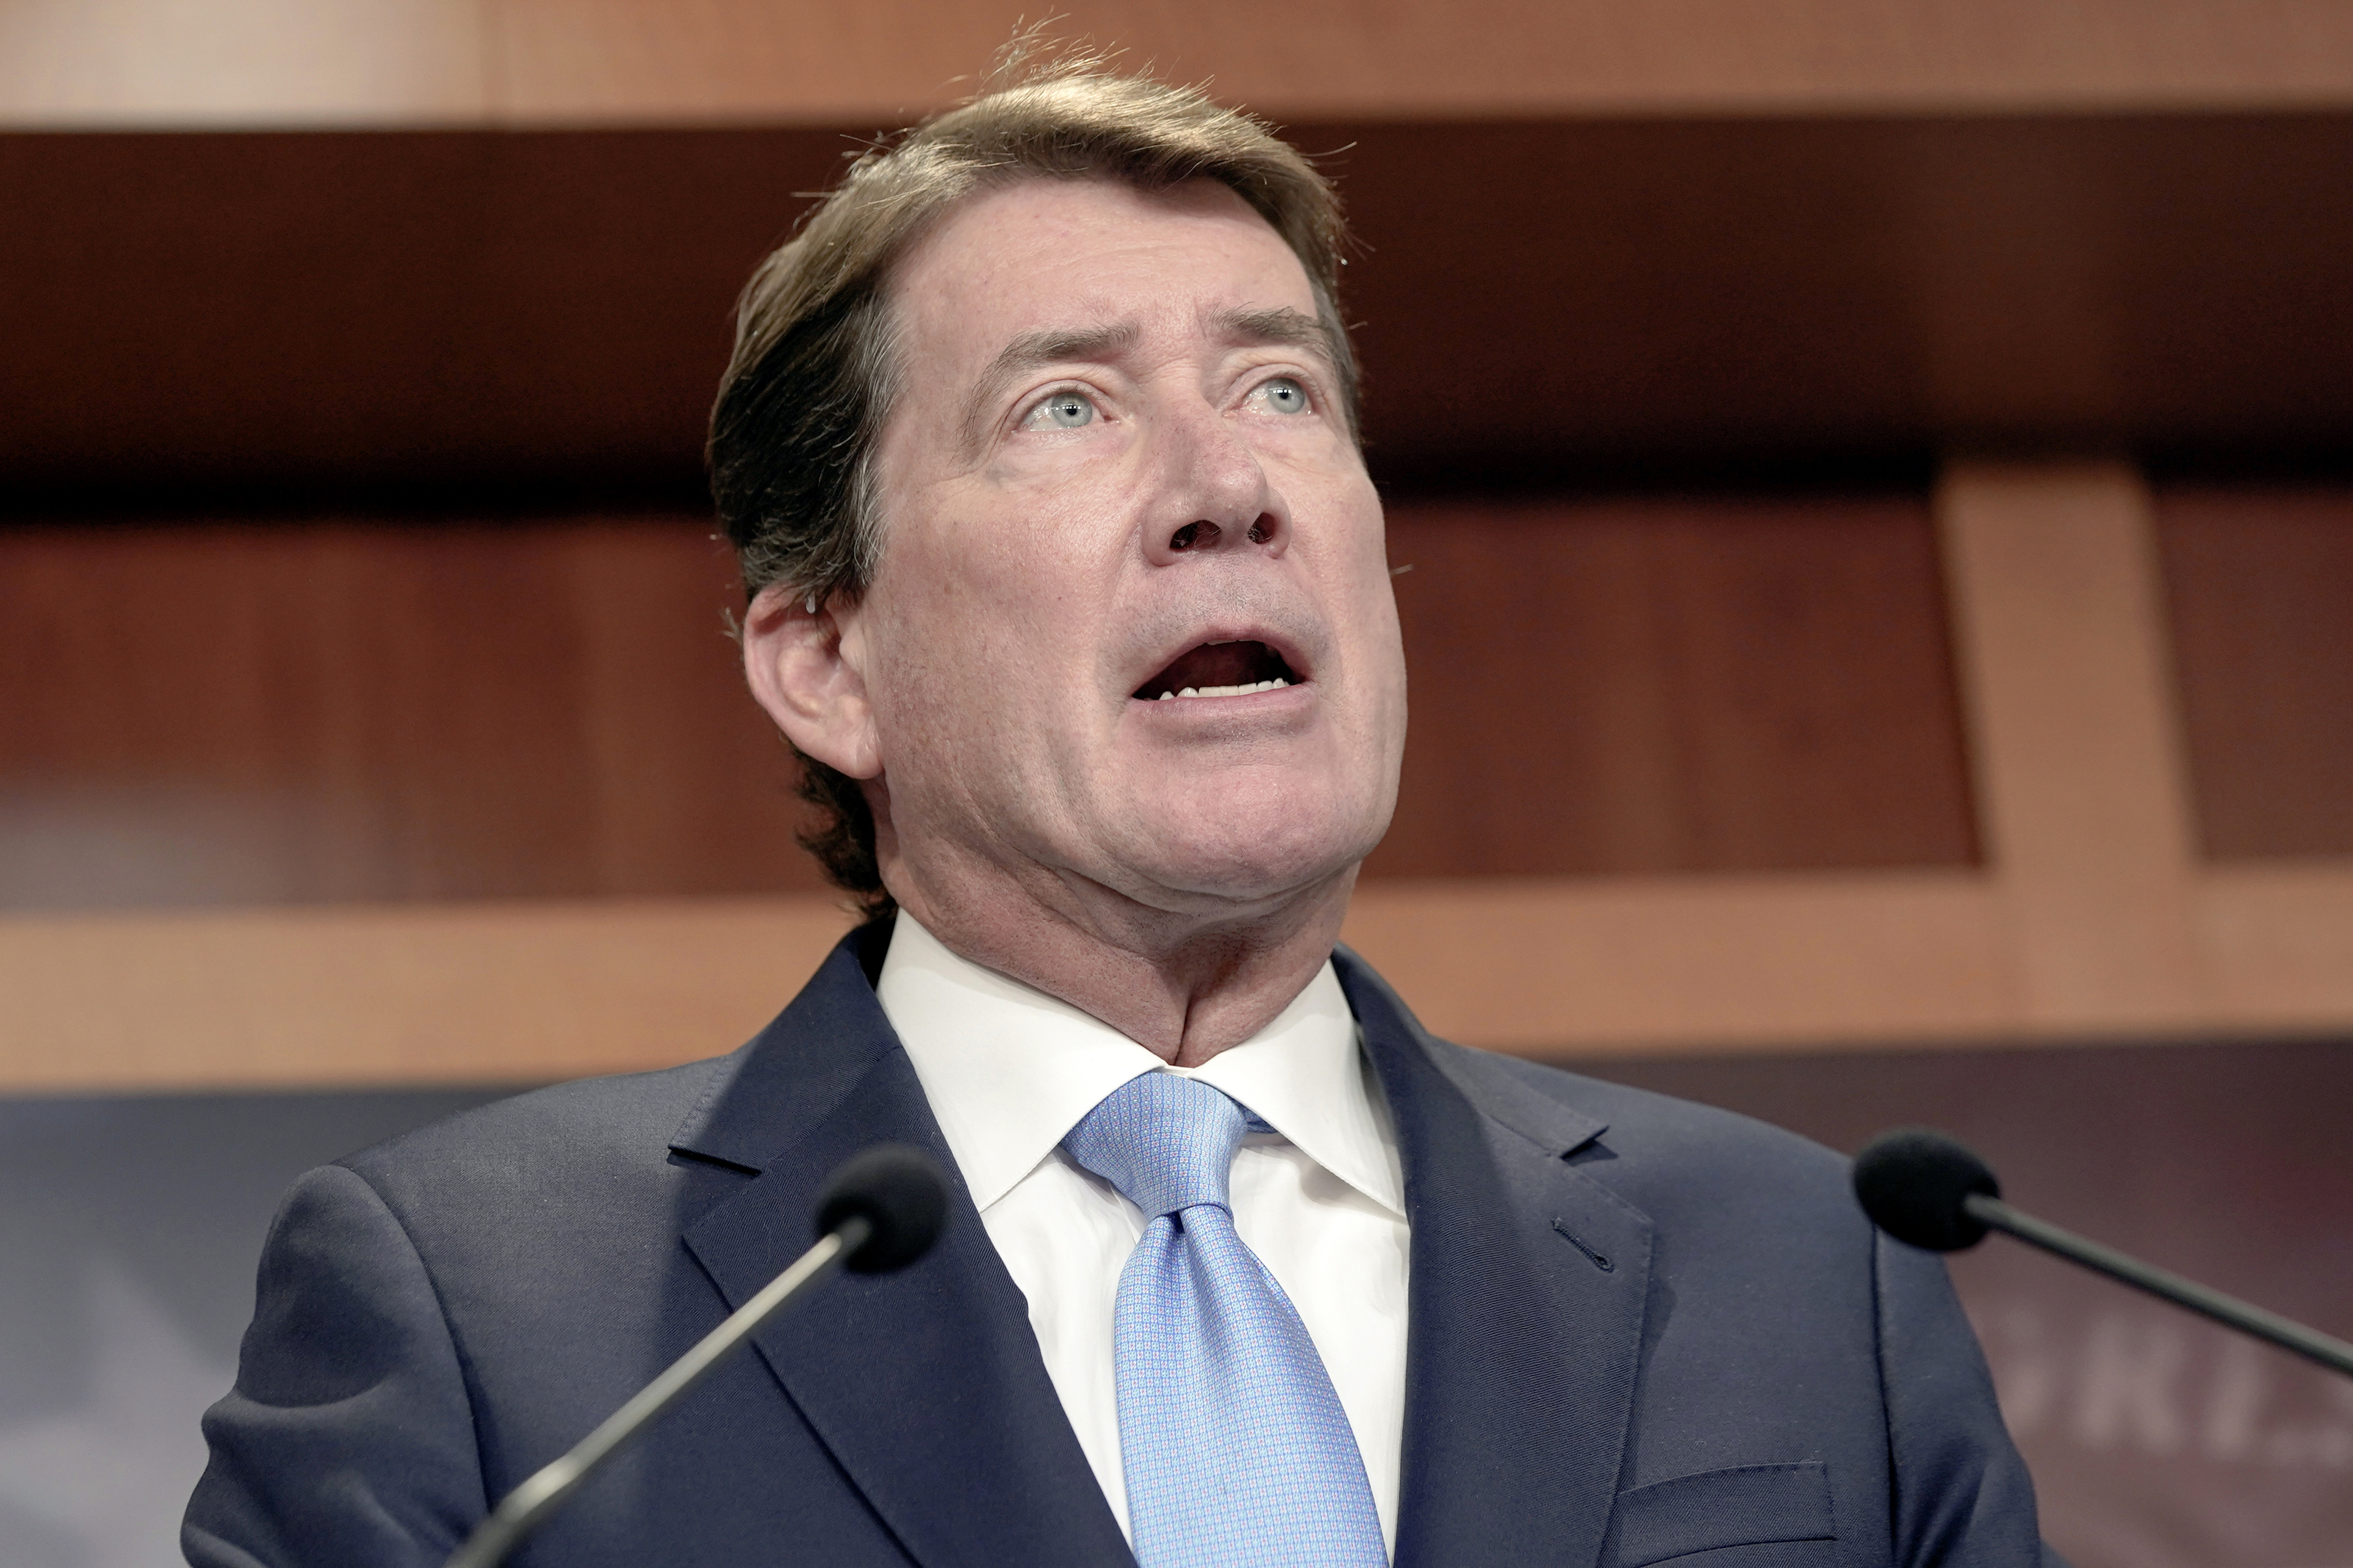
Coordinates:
(1010, 1071)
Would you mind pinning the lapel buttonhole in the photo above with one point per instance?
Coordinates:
(1598, 1262)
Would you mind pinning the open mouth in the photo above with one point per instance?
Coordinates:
(1219, 670)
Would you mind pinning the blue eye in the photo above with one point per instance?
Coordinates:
(1063, 411)
(1285, 396)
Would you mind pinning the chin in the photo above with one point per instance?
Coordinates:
(1229, 862)
(1213, 836)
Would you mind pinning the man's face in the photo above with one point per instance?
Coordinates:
(1119, 468)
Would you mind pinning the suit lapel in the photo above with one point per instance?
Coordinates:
(926, 1386)
(1527, 1303)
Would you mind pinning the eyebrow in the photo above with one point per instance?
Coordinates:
(1030, 350)
(1279, 325)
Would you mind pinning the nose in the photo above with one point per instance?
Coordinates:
(1216, 496)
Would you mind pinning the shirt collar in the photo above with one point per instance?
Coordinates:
(1009, 1069)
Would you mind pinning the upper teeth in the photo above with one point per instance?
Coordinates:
(1225, 690)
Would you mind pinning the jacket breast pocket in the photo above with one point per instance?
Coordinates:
(1753, 1505)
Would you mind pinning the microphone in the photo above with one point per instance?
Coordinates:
(1929, 1191)
(880, 1211)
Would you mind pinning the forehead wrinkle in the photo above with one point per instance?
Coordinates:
(1048, 345)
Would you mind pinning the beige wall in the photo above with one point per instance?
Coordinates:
(564, 62)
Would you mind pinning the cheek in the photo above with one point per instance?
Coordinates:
(1027, 574)
(978, 644)
(1363, 585)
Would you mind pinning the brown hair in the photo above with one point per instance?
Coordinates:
(794, 432)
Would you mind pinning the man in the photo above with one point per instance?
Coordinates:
(1069, 587)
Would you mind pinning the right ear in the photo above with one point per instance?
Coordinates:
(804, 656)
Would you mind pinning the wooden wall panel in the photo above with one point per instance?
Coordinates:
(348, 712)
(403, 61)
(242, 62)
(2088, 917)
(640, 58)
(1668, 289)
(1670, 685)
(343, 711)
(2260, 589)
(2073, 732)
(547, 313)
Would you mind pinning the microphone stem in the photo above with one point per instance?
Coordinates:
(2333, 1353)
(521, 1511)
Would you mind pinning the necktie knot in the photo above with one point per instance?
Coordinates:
(1167, 1143)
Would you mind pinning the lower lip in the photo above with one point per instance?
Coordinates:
(1239, 702)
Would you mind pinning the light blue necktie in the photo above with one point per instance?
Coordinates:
(1237, 1451)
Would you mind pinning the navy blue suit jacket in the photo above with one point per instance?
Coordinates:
(1641, 1332)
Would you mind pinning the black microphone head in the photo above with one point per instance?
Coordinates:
(897, 1190)
(1912, 1182)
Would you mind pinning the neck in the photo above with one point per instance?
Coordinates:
(1185, 984)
